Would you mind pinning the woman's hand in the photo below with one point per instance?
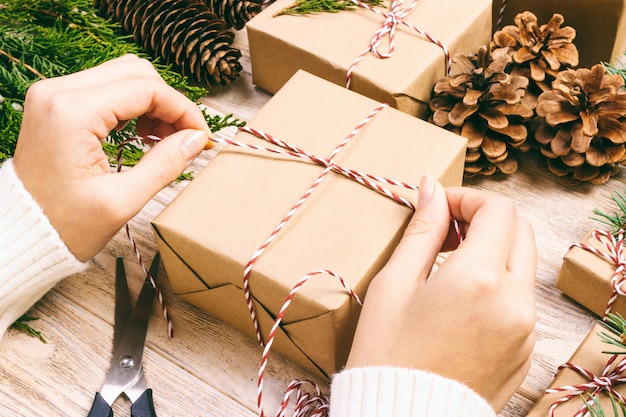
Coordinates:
(473, 320)
(60, 160)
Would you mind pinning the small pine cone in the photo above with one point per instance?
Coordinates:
(488, 107)
(181, 32)
(581, 128)
(234, 12)
(539, 52)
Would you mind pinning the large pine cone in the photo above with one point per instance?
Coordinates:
(234, 12)
(582, 124)
(539, 52)
(181, 32)
(488, 107)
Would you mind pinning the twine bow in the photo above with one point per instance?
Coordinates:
(607, 381)
(614, 245)
(393, 18)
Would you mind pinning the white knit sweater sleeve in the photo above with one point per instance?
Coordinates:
(399, 392)
(33, 258)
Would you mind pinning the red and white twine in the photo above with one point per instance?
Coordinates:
(393, 18)
(607, 381)
(314, 404)
(501, 15)
(614, 245)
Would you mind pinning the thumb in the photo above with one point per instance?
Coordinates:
(424, 236)
(161, 165)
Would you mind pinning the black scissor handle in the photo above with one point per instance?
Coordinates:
(100, 408)
(143, 407)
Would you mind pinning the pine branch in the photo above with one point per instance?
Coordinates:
(617, 69)
(617, 220)
(304, 7)
(22, 325)
(592, 403)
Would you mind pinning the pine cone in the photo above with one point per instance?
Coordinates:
(582, 124)
(488, 107)
(181, 32)
(234, 12)
(539, 51)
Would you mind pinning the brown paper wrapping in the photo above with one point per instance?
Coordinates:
(589, 356)
(211, 229)
(600, 24)
(327, 44)
(586, 278)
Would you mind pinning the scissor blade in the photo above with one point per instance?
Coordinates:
(123, 306)
(126, 365)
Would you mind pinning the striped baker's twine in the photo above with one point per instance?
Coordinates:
(501, 15)
(170, 327)
(607, 381)
(614, 245)
(307, 404)
(393, 18)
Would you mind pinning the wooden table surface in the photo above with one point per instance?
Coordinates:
(209, 369)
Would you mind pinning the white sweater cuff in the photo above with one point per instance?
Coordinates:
(33, 258)
(399, 392)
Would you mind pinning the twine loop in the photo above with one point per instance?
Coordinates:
(607, 382)
(394, 17)
(614, 253)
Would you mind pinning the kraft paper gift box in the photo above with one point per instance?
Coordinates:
(600, 24)
(211, 230)
(590, 357)
(586, 278)
(327, 44)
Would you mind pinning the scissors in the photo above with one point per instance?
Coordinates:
(131, 327)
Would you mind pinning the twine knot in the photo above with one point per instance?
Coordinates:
(603, 382)
(613, 252)
(607, 381)
(394, 17)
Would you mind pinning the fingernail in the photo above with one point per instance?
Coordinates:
(193, 144)
(427, 189)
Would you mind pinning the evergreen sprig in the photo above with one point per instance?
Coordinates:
(617, 220)
(22, 325)
(304, 7)
(620, 68)
(616, 336)
(592, 403)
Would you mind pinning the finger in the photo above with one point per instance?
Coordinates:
(491, 219)
(130, 98)
(106, 73)
(423, 238)
(161, 165)
(522, 260)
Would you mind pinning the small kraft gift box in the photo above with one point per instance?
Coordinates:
(330, 45)
(589, 373)
(592, 273)
(215, 227)
(600, 24)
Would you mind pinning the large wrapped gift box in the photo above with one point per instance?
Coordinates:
(589, 357)
(327, 44)
(213, 227)
(600, 24)
(585, 277)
